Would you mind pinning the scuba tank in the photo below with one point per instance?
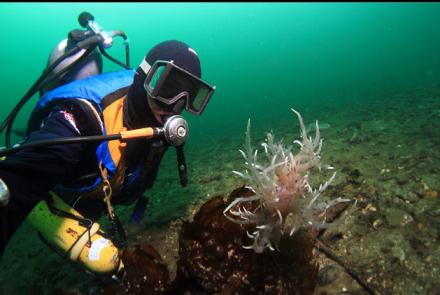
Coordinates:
(71, 235)
(81, 46)
(88, 66)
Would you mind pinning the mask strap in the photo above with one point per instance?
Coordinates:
(145, 66)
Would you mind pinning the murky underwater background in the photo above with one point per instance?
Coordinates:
(369, 72)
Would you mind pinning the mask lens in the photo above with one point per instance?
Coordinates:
(199, 99)
(176, 82)
(156, 76)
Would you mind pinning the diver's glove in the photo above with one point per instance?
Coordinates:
(4, 194)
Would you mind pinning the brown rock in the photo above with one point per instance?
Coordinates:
(145, 272)
(212, 257)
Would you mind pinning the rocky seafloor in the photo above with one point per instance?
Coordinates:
(385, 151)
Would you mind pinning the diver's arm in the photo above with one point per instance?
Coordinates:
(31, 173)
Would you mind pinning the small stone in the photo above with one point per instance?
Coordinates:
(435, 212)
(431, 194)
(398, 252)
(327, 275)
(377, 223)
(411, 197)
(421, 206)
(425, 186)
(397, 217)
(370, 208)
(430, 182)
(401, 179)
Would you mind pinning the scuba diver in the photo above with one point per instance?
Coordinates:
(95, 140)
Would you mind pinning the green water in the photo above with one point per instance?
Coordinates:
(370, 72)
(264, 58)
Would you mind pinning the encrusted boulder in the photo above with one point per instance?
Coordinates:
(146, 273)
(212, 256)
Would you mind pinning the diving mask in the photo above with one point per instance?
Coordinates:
(167, 83)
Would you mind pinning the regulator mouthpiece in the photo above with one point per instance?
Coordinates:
(175, 130)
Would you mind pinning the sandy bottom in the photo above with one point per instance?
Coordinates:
(387, 159)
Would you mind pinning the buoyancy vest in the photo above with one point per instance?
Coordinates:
(92, 91)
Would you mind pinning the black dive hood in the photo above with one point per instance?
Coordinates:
(137, 111)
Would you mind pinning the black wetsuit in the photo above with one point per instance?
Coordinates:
(31, 173)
